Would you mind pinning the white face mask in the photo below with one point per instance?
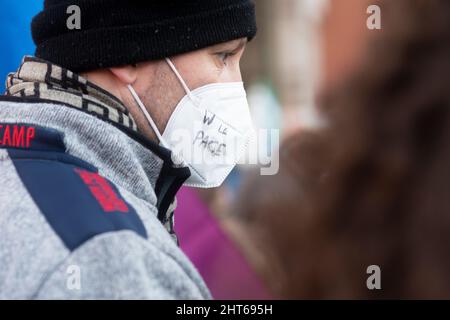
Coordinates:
(210, 129)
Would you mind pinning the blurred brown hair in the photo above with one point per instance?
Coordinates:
(374, 187)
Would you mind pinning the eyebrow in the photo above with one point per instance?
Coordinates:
(242, 43)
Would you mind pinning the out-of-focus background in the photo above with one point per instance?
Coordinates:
(15, 34)
(283, 68)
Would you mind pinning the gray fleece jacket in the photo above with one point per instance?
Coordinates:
(83, 209)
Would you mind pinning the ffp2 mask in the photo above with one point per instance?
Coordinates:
(209, 129)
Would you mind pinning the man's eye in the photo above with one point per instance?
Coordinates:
(224, 56)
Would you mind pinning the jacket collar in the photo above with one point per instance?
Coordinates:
(121, 154)
(37, 78)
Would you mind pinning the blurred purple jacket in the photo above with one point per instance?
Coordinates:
(222, 266)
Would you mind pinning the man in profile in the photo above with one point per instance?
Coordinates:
(88, 168)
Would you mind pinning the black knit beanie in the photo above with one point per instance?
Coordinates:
(120, 32)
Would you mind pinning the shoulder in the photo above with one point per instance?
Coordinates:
(74, 198)
(121, 265)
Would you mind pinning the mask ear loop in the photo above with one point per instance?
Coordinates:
(144, 109)
(180, 78)
(176, 159)
(147, 115)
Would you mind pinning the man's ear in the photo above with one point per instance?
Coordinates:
(125, 74)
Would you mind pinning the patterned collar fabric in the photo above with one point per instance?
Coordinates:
(41, 79)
